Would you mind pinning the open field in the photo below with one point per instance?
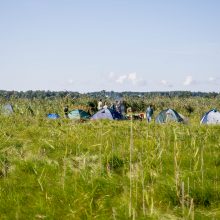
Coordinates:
(61, 169)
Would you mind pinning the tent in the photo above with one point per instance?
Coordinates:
(211, 117)
(169, 115)
(107, 114)
(78, 114)
(53, 116)
(7, 109)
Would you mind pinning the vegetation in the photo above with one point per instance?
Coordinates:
(41, 94)
(62, 169)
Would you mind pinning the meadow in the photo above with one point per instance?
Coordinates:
(63, 169)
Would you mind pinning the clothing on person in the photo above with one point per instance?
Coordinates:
(118, 106)
(149, 113)
(100, 106)
(105, 105)
(66, 111)
(122, 108)
(113, 106)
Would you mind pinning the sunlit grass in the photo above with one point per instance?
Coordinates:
(60, 169)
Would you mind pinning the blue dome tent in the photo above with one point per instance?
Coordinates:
(107, 114)
(53, 116)
(211, 117)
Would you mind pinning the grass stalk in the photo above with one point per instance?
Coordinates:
(183, 198)
(130, 167)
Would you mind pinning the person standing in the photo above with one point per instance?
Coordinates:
(118, 106)
(149, 113)
(66, 111)
(105, 105)
(112, 106)
(100, 104)
(123, 107)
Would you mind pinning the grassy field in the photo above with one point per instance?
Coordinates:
(61, 169)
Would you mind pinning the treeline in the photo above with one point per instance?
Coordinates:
(41, 94)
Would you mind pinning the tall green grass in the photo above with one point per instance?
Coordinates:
(60, 169)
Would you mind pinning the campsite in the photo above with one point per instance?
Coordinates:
(109, 110)
(52, 167)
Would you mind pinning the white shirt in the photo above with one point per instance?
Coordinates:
(99, 105)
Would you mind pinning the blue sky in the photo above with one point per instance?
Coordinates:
(120, 45)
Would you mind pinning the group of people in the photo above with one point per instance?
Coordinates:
(101, 106)
(117, 106)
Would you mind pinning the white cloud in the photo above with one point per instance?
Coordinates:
(131, 78)
(166, 83)
(121, 79)
(188, 81)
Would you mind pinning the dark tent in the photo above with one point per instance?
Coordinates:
(107, 114)
(53, 116)
(78, 114)
(169, 115)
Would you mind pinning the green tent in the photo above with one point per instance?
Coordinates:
(169, 115)
(78, 114)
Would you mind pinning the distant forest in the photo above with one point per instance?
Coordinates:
(41, 94)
